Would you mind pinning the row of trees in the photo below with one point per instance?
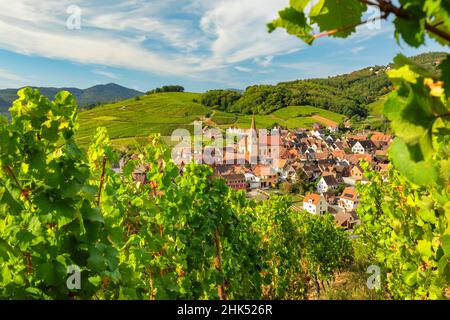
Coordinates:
(171, 88)
(347, 94)
(222, 99)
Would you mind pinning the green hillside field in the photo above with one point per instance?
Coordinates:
(134, 119)
(375, 119)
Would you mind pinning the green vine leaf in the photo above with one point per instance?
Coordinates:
(338, 15)
(422, 172)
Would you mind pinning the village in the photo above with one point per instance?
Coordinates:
(318, 167)
(323, 159)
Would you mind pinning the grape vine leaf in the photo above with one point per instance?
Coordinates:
(294, 22)
(411, 29)
(422, 172)
(445, 240)
(337, 15)
(424, 248)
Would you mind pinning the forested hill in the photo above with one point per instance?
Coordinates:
(347, 94)
(89, 97)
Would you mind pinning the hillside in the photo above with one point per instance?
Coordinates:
(134, 119)
(4, 105)
(85, 97)
(349, 94)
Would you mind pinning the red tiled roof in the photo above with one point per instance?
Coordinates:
(378, 136)
(338, 154)
(263, 170)
(349, 194)
(312, 196)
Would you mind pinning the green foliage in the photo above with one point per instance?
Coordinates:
(299, 247)
(262, 99)
(406, 227)
(405, 217)
(412, 213)
(173, 88)
(328, 249)
(302, 185)
(339, 18)
(327, 14)
(284, 277)
(348, 94)
(285, 187)
(417, 112)
(48, 221)
(222, 99)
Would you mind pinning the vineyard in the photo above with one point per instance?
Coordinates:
(183, 235)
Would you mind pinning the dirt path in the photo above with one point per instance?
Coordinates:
(324, 120)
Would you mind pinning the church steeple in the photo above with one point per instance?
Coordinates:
(253, 123)
(252, 143)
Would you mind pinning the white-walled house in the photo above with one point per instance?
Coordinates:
(327, 183)
(363, 146)
(253, 181)
(315, 204)
(348, 200)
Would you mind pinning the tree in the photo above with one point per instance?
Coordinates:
(285, 187)
(223, 99)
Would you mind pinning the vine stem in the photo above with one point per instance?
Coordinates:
(22, 191)
(102, 181)
(443, 115)
(221, 287)
(387, 7)
(316, 286)
(28, 257)
(330, 32)
(150, 282)
(161, 227)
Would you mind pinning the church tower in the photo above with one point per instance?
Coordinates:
(252, 143)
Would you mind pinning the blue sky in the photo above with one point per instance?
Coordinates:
(200, 44)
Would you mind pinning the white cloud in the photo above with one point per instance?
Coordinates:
(159, 36)
(240, 32)
(356, 50)
(175, 34)
(9, 79)
(144, 35)
(105, 73)
(263, 62)
(86, 48)
(243, 69)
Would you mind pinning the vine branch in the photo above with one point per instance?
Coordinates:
(102, 181)
(330, 32)
(221, 287)
(16, 181)
(387, 7)
(443, 115)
